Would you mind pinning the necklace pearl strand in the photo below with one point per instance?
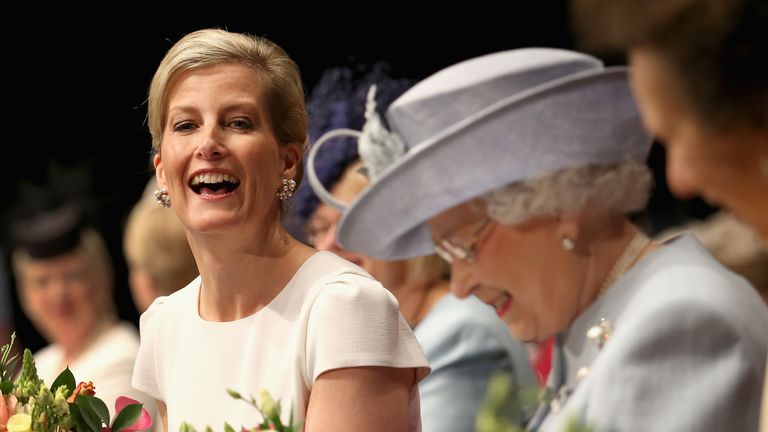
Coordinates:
(629, 255)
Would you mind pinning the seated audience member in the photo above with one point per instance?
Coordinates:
(464, 341)
(65, 279)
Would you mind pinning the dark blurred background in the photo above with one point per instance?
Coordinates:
(75, 88)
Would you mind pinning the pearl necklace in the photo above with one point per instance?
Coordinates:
(631, 252)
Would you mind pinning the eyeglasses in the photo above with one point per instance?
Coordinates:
(449, 250)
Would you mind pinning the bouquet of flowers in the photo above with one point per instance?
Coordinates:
(266, 406)
(27, 404)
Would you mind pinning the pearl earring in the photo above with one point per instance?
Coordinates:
(568, 244)
(286, 190)
(162, 198)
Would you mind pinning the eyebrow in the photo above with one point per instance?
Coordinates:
(248, 106)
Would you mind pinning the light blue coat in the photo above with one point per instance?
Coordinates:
(465, 342)
(685, 350)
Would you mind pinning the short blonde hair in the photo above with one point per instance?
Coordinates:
(155, 241)
(283, 92)
(618, 188)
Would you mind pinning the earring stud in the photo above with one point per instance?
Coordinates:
(162, 198)
(286, 189)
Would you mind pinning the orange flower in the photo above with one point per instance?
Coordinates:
(83, 388)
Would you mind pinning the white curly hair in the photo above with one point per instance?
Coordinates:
(621, 188)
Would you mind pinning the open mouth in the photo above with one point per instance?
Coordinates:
(502, 303)
(214, 183)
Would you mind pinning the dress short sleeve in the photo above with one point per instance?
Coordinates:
(145, 377)
(355, 322)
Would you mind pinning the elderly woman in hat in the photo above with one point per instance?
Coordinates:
(65, 280)
(519, 168)
(465, 344)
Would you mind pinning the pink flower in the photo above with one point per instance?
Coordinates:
(4, 412)
(8, 405)
(144, 421)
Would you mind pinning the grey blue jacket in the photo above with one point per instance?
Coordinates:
(677, 344)
(465, 343)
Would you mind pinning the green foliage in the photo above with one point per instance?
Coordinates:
(506, 407)
(48, 408)
(94, 411)
(27, 384)
(186, 427)
(7, 366)
(126, 417)
(576, 425)
(266, 406)
(67, 379)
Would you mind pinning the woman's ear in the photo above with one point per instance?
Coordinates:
(587, 225)
(291, 158)
(570, 233)
(157, 161)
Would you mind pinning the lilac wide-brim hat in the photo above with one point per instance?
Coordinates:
(484, 123)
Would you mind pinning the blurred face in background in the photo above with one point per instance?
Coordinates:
(62, 297)
(143, 291)
(727, 167)
(321, 229)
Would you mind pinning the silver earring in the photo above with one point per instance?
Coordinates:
(286, 190)
(162, 198)
(568, 244)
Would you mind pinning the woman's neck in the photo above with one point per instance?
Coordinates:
(74, 349)
(239, 277)
(610, 256)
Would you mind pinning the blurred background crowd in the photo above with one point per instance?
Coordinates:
(76, 97)
(77, 90)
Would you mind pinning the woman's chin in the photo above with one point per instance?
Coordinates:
(213, 223)
(520, 330)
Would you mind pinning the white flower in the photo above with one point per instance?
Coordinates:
(267, 405)
(19, 423)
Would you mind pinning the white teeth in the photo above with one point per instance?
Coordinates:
(501, 301)
(213, 178)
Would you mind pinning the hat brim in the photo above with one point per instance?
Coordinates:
(585, 118)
